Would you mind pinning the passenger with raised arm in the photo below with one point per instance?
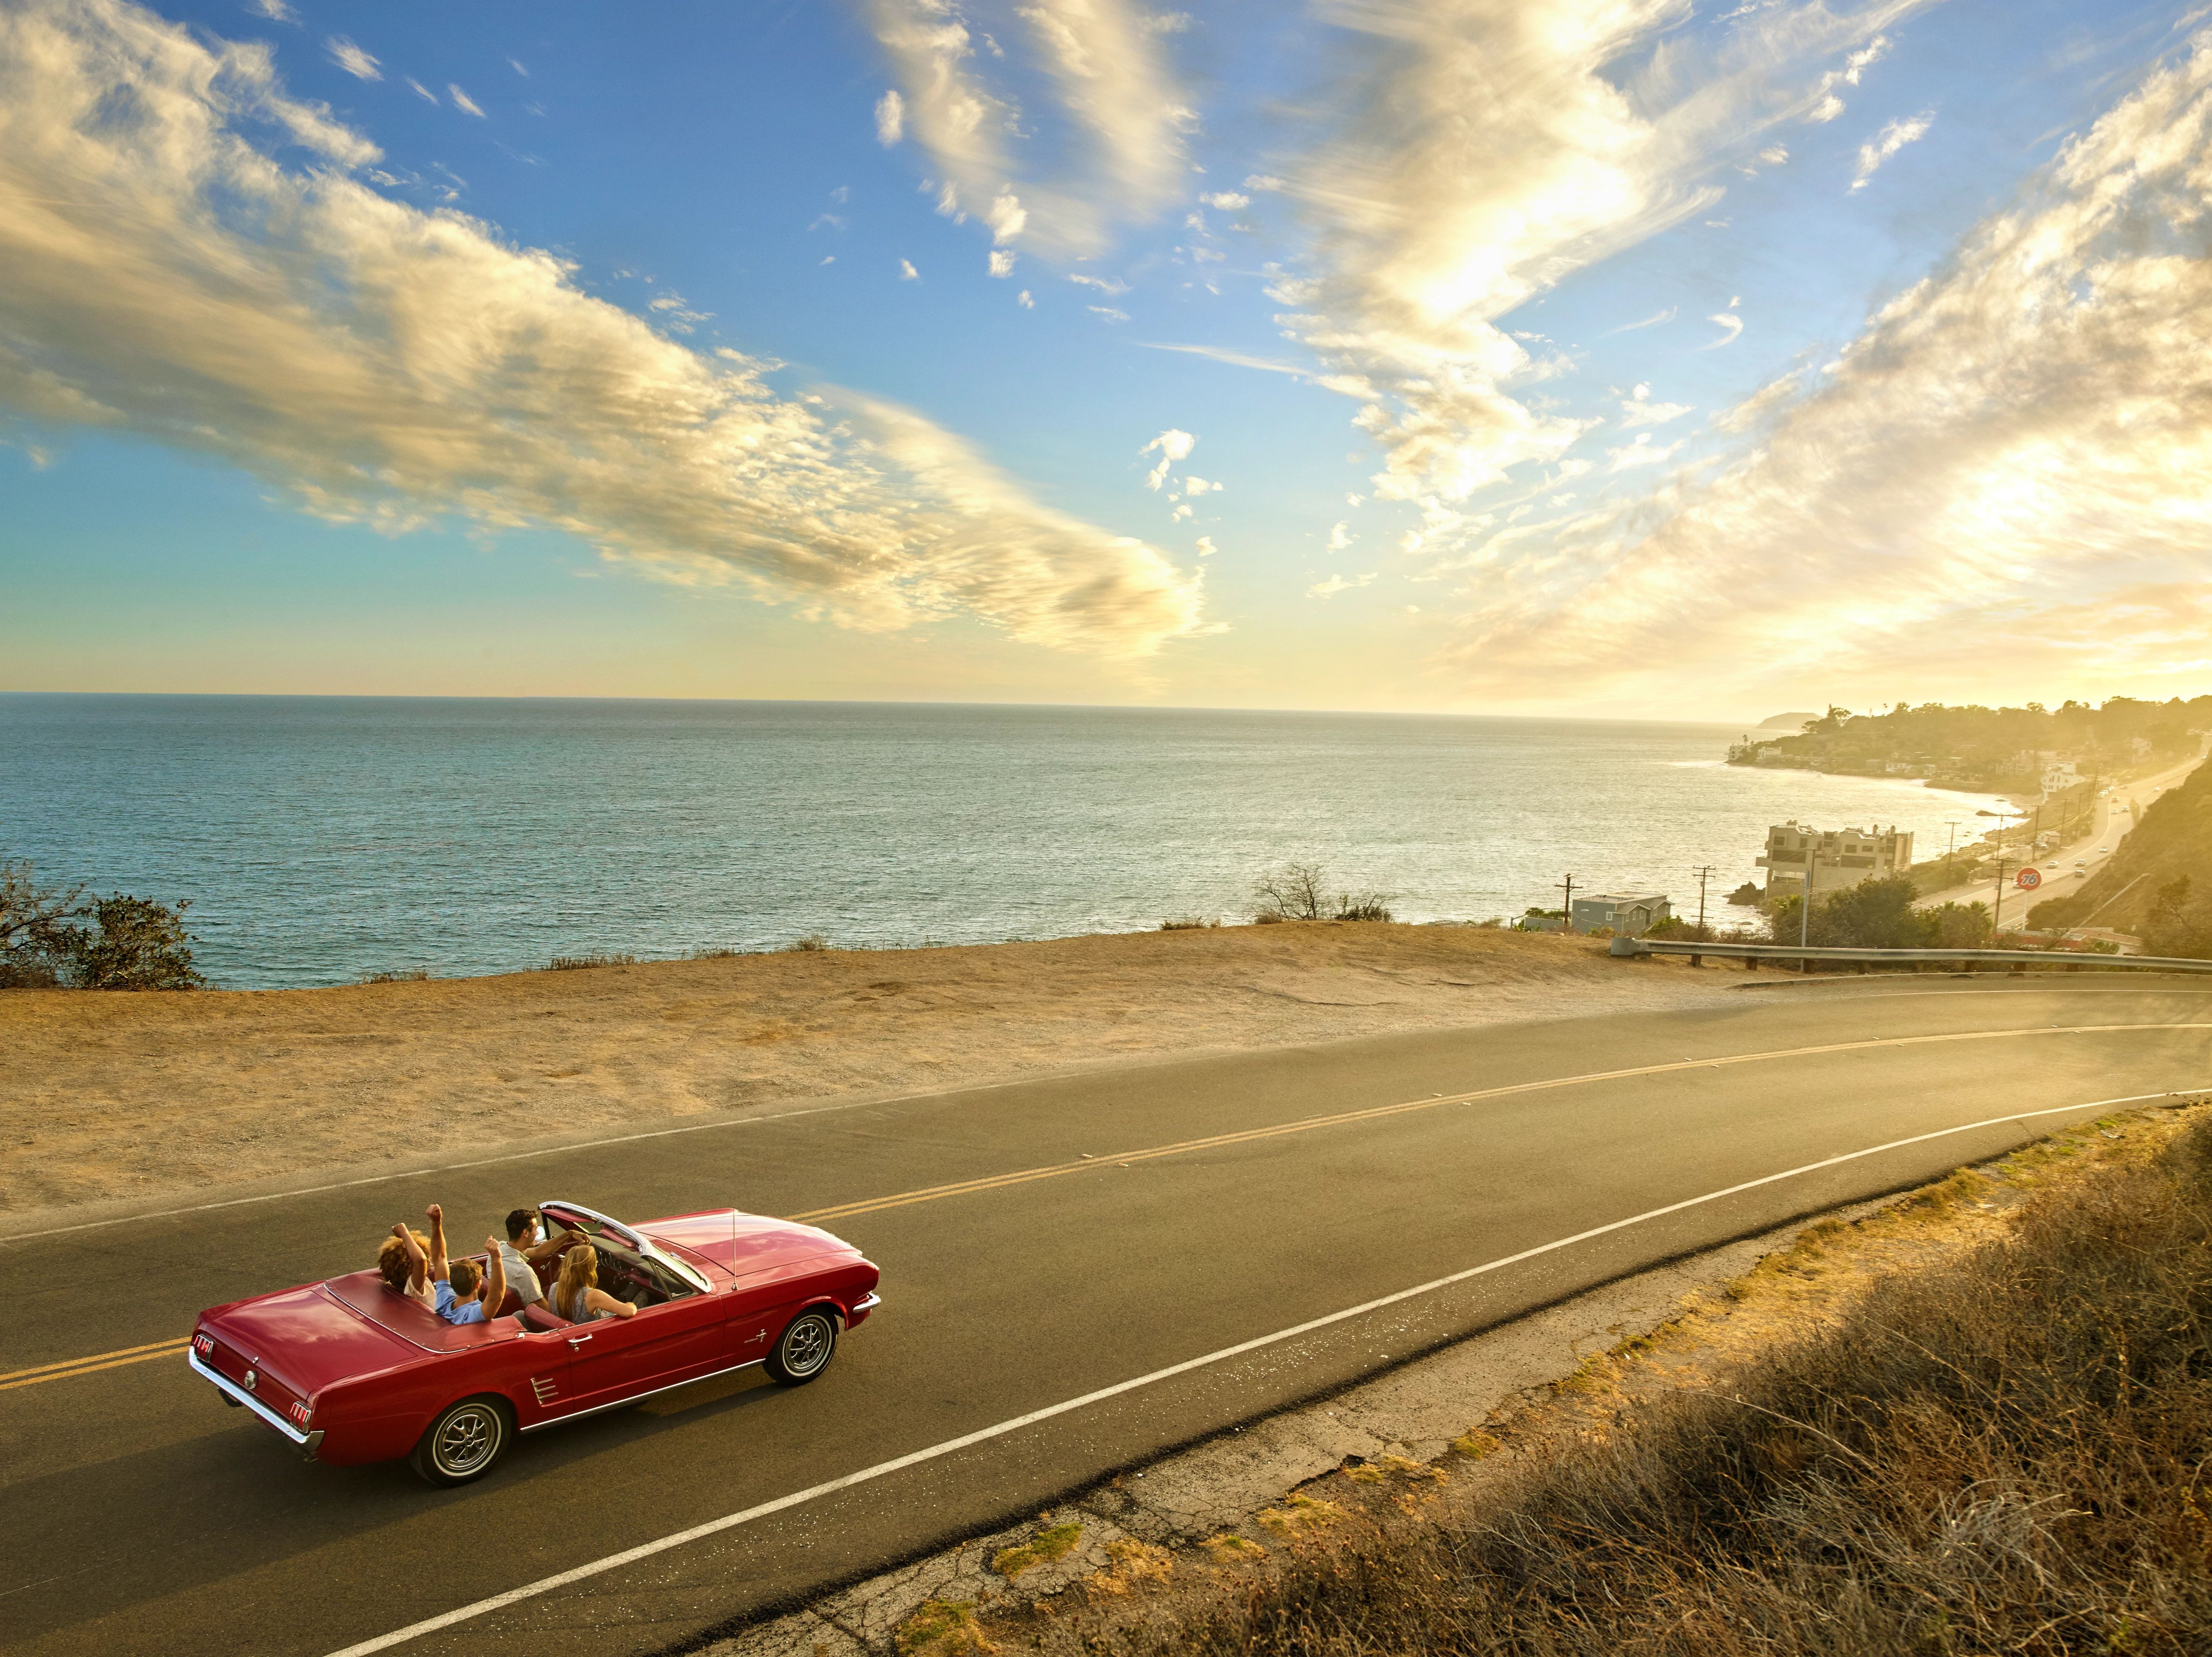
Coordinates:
(577, 1295)
(403, 1260)
(466, 1292)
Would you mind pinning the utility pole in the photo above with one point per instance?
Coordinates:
(1952, 824)
(1805, 907)
(1704, 874)
(1567, 913)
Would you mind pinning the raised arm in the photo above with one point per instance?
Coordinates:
(418, 1264)
(437, 1216)
(494, 1278)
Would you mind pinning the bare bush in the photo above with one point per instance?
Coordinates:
(1191, 923)
(812, 940)
(584, 963)
(399, 975)
(1299, 892)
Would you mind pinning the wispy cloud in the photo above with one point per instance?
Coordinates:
(906, 272)
(420, 90)
(274, 11)
(1730, 323)
(1235, 359)
(1892, 139)
(2001, 481)
(1486, 150)
(383, 365)
(1334, 584)
(1651, 321)
(463, 102)
(351, 59)
(1104, 62)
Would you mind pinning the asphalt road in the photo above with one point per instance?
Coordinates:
(143, 1516)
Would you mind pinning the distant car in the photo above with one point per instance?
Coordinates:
(351, 1371)
(2101, 850)
(2078, 864)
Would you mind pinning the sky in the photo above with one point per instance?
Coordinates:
(1610, 358)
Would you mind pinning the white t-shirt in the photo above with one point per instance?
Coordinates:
(521, 1277)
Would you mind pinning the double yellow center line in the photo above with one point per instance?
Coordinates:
(13, 1379)
(74, 1367)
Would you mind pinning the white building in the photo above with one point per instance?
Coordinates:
(1837, 857)
(2058, 776)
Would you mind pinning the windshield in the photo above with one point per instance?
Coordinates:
(674, 1277)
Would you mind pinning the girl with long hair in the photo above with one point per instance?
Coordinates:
(577, 1295)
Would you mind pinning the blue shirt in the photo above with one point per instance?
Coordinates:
(454, 1309)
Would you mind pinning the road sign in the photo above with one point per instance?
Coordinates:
(2028, 879)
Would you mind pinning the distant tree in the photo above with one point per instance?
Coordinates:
(1299, 894)
(138, 944)
(1295, 894)
(1878, 914)
(52, 935)
(35, 933)
(1959, 926)
(1873, 915)
(2178, 923)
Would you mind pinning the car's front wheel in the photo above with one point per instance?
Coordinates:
(464, 1442)
(804, 1349)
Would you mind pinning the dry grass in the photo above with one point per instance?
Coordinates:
(585, 963)
(2003, 1451)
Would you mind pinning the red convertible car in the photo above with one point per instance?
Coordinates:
(351, 1371)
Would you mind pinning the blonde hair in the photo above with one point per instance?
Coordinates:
(580, 1271)
(392, 1263)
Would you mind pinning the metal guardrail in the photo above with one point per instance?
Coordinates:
(2015, 960)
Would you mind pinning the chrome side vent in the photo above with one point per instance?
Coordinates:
(546, 1388)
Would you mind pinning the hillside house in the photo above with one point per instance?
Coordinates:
(1837, 857)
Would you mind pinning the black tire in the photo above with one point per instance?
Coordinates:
(803, 1351)
(465, 1442)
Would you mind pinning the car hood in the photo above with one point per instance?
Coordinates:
(306, 1337)
(746, 1245)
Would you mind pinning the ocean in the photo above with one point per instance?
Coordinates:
(321, 838)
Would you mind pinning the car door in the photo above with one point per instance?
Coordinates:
(610, 1359)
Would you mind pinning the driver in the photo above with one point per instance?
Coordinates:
(526, 1245)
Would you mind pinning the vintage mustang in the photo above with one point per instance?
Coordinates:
(352, 1370)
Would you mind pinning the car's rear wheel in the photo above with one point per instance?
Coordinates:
(804, 1349)
(464, 1442)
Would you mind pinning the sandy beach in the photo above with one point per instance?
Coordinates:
(118, 1096)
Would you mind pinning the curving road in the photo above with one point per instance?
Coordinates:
(1039, 1242)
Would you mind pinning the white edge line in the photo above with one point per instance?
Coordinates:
(855, 1105)
(646, 1550)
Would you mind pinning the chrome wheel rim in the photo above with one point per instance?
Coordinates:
(806, 1347)
(466, 1440)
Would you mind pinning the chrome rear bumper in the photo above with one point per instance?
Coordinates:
(306, 1443)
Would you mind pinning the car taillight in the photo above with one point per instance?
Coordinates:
(301, 1412)
(205, 1345)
